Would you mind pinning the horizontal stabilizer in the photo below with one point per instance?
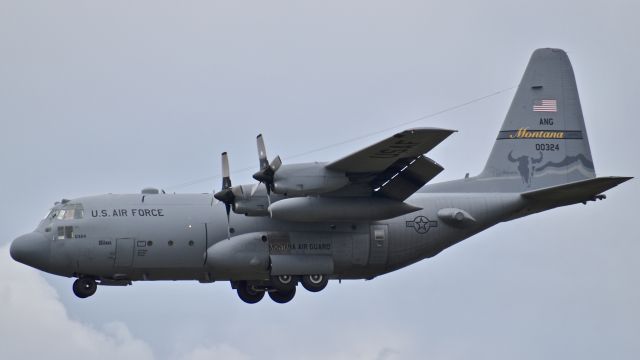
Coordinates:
(574, 192)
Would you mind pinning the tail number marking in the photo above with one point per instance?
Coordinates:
(547, 147)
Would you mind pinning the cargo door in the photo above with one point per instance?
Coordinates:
(379, 245)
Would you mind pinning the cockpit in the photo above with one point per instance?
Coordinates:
(71, 212)
(61, 214)
(66, 212)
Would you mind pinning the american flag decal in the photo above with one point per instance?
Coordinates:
(545, 106)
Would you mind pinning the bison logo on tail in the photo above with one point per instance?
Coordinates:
(526, 166)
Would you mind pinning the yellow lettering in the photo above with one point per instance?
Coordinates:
(524, 133)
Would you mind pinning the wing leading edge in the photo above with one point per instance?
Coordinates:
(381, 155)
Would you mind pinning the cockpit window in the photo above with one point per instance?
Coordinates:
(70, 212)
(52, 214)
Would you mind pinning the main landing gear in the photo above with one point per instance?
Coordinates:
(281, 289)
(249, 293)
(84, 287)
(315, 283)
(282, 297)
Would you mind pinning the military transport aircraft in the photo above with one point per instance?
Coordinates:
(358, 217)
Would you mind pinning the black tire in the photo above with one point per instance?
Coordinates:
(282, 297)
(284, 282)
(84, 287)
(315, 283)
(248, 294)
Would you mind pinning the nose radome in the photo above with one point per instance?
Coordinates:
(31, 249)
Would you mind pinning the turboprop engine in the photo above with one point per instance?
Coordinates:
(310, 192)
(338, 209)
(251, 200)
(307, 179)
(282, 180)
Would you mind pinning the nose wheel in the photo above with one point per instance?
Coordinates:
(84, 287)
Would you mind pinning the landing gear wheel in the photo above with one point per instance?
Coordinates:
(284, 282)
(84, 287)
(315, 283)
(282, 297)
(248, 293)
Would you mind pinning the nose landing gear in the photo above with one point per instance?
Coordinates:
(84, 287)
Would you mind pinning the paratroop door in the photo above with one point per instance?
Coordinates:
(379, 245)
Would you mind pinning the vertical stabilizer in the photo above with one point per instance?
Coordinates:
(543, 141)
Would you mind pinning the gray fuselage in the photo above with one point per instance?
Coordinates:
(166, 236)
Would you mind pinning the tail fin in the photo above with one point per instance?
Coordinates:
(543, 141)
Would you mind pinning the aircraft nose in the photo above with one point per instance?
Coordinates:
(31, 249)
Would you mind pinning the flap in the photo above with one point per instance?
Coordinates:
(378, 157)
(406, 176)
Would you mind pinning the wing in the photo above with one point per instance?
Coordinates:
(378, 157)
(394, 167)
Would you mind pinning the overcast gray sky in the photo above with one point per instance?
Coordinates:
(114, 96)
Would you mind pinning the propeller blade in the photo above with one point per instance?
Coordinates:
(275, 164)
(262, 152)
(228, 209)
(226, 177)
(267, 171)
(254, 189)
(268, 195)
(226, 194)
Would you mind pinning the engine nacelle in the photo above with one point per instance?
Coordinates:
(313, 209)
(251, 201)
(307, 179)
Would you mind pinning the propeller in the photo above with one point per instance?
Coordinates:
(267, 171)
(226, 195)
